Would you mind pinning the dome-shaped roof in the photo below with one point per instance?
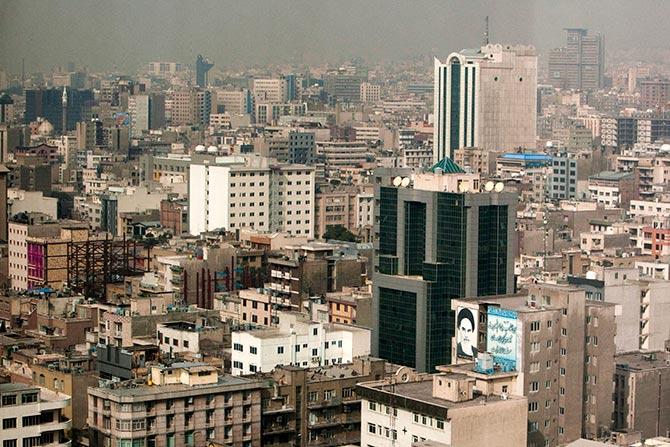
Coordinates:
(200, 148)
(45, 128)
(212, 148)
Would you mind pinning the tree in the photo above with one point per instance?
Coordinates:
(339, 233)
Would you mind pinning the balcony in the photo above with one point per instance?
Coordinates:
(277, 429)
(282, 410)
(333, 422)
(325, 404)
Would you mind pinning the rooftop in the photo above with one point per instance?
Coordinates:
(610, 175)
(643, 361)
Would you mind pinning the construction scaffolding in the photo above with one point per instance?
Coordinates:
(92, 264)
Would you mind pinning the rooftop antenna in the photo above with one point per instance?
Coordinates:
(486, 31)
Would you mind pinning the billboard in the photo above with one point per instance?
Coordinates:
(121, 119)
(466, 332)
(501, 337)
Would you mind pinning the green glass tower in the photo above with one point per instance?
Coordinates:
(435, 245)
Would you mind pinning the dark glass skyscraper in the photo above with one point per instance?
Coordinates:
(435, 245)
(48, 104)
(202, 67)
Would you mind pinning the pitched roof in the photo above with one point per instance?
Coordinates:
(447, 166)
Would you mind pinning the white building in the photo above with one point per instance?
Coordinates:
(249, 191)
(485, 98)
(297, 341)
(343, 153)
(33, 416)
(365, 204)
(440, 410)
(648, 208)
(184, 336)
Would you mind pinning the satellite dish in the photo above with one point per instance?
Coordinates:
(499, 186)
(397, 181)
(405, 182)
(463, 187)
(488, 187)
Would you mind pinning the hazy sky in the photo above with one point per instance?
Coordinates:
(129, 33)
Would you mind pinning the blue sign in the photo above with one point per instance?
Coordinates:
(502, 338)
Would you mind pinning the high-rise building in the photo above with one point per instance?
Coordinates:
(270, 90)
(89, 134)
(439, 239)
(251, 191)
(558, 345)
(654, 93)
(235, 102)
(343, 84)
(139, 108)
(485, 98)
(370, 92)
(301, 148)
(202, 67)
(156, 111)
(48, 104)
(580, 65)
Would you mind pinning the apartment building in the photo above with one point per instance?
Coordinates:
(614, 189)
(297, 341)
(308, 407)
(642, 393)
(251, 192)
(561, 345)
(33, 416)
(183, 404)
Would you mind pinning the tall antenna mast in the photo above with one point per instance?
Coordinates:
(486, 30)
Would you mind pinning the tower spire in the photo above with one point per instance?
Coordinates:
(486, 30)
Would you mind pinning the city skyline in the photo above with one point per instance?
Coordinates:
(127, 35)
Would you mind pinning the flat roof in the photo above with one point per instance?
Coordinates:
(641, 361)
(144, 390)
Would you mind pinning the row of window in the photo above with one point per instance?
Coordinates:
(12, 399)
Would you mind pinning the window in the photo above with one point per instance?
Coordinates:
(28, 398)
(313, 396)
(533, 426)
(533, 407)
(253, 349)
(372, 428)
(534, 326)
(8, 423)
(238, 347)
(29, 421)
(280, 349)
(347, 392)
(534, 386)
(238, 365)
(9, 443)
(372, 406)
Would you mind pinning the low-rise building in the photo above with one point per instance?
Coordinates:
(183, 404)
(297, 341)
(440, 410)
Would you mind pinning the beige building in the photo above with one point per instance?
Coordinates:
(641, 393)
(439, 410)
(563, 348)
(370, 92)
(185, 404)
(485, 98)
